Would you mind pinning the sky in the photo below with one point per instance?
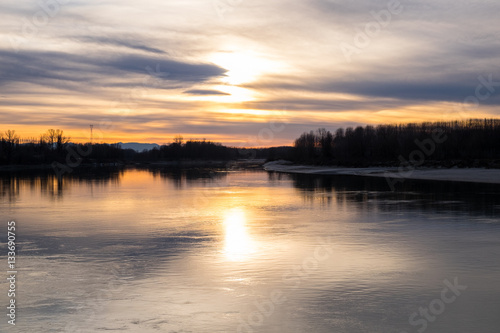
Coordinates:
(243, 72)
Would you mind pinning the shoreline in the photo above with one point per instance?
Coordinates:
(471, 175)
(230, 164)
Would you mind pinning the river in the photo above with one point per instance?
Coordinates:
(161, 250)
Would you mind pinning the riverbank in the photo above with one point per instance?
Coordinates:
(182, 164)
(475, 175)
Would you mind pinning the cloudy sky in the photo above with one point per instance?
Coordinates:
(243, 72)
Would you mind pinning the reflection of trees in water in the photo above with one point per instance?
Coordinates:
(9, 188)
(52, 186)
(47, 183)
(183, 177)
(369, 193)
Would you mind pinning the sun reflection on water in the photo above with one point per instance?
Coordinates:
(238, 243)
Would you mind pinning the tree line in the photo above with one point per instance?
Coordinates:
(55, 146)
(17, 150)
(472, 142)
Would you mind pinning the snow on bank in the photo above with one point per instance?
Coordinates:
(475, 175)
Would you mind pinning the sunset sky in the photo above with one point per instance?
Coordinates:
(243, 72)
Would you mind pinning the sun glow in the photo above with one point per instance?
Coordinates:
(236, 94)
(242, 67)
(238, 243)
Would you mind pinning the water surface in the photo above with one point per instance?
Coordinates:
(214, 251)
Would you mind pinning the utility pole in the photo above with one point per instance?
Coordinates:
(91, 133)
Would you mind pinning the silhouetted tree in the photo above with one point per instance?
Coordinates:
(325, 139)
(55, 139)
(471, 142)
(9, 142)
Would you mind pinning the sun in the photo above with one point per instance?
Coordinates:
(242, 67)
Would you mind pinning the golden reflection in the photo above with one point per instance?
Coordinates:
(238, 243)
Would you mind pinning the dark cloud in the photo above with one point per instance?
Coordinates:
(324, 105)
(121, 42)
(63, 70)
(423, 91)
(430, 80)
(205, 92)
(163, 68)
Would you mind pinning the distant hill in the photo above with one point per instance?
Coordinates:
(138, 147)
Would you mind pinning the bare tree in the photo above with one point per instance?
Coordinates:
(178, 139)
(11, 137)
(55, 139)
(61, 140)
(9, 141)
(325, 141)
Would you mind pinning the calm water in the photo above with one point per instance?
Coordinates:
(193, 251)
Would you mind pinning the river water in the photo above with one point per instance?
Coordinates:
(155, 250)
